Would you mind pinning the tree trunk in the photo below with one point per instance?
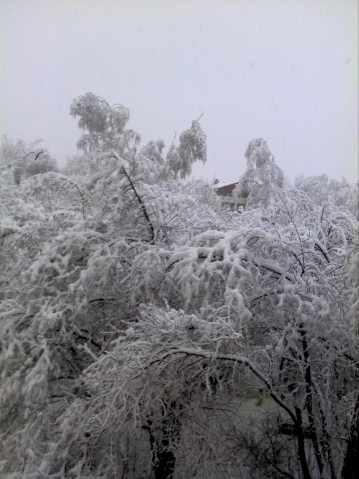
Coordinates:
(301, 444)
(351, 459)
(309, 400)
(163, 444)
(164, 463)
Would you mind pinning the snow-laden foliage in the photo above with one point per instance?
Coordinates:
(104, 124)
(24, 160)
(105, 130)
(321, 190)
(146, 332)
(192, 147)
(262, 176)
(353, 284)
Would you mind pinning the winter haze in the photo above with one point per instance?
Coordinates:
(156, 323)
(283, 70)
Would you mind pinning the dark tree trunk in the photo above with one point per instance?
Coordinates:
(164, 441)
(301, 444)
(309, 401)
(351, 459)
(164, 463)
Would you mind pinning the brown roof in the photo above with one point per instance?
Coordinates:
(225, 190)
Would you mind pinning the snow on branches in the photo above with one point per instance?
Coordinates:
(143, 330)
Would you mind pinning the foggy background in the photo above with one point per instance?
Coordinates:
(285, 70)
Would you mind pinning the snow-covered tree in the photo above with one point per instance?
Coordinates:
(262, 175)
(151, 334)
(25, 160)
(72, 295)
(105, 131)
(340, 193)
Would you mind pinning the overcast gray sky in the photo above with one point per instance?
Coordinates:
(285, 70)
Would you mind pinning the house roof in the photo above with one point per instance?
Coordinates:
(225, 189)
(222, 184)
